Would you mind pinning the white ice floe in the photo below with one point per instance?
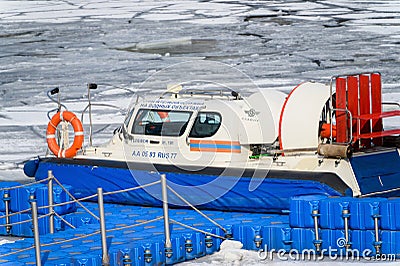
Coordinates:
(156, 16)
(215, 20)
(37, 114)
(37, 118)
(67, 11)
(62, 11)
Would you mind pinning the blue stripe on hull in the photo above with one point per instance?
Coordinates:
(272, 195)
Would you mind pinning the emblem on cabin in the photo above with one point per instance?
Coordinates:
(252, 112)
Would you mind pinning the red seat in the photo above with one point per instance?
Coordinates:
(361, 95)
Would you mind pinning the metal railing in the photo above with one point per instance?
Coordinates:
(102, 219)
(350, 128)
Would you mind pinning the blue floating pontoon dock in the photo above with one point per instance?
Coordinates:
(135, 234)
(145, 243)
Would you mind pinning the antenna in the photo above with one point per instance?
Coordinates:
(91, 86)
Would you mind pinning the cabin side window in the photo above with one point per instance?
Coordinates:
(205, 125)
(158, 122)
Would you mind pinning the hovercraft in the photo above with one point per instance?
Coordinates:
(222, 150)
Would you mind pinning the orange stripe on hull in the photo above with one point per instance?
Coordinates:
(215, 150)
(222, 142)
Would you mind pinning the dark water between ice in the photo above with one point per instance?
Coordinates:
(278, 44)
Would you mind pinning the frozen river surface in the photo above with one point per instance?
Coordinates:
(120, 44)
(277, 44)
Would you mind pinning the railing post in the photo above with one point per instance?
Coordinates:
(377, 243)
(346, 216)
(167, 234)
(6, 199)
(105, 258)
(317, 241)
(51, 201)
(35, 228)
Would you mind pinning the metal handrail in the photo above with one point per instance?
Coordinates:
(391, 103)
(58, 101)
(221, 92)
(100, 104)
(350, 135)
(89, 106)
(356, 74)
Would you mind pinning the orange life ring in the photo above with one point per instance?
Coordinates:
(51, 134)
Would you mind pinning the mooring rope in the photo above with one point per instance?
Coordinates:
(24, 221)
(25, 185)
(71, 239)
(15, 213)
(197, 210)
(80, 204)
(95, 195)
(74, 200)
(98, 232)
(131, 189)
(65, 221)
(196, 229)
(67, 202)
(17, 251)
(134, 225)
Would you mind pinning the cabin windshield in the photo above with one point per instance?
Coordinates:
(158, 122)
(128, 117)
